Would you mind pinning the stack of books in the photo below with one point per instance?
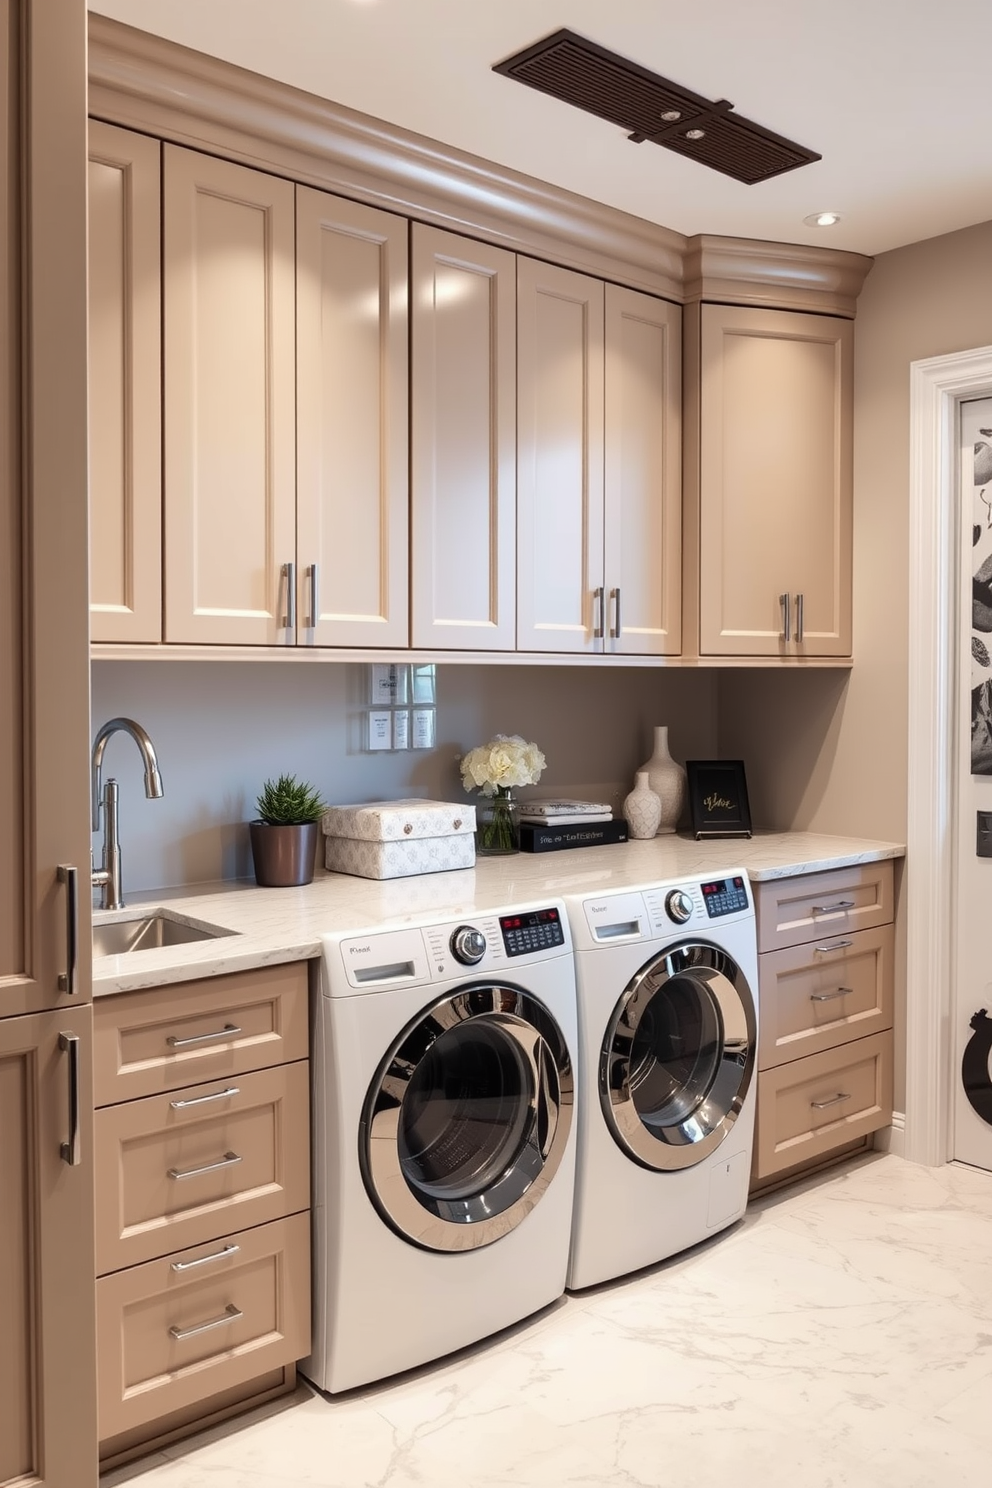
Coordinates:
(549, 826)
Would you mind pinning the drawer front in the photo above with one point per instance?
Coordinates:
(823, 906)
(175, 1170)
(813, 1000)
(174, 1331)
(164, 1038)
(809, 1107)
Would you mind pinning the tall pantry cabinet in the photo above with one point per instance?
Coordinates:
(47, 1389)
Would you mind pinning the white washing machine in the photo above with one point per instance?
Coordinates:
(444, 1140)
(667, 979)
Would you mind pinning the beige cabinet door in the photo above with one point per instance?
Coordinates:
(230, 414)
(47, 1286)
(775, 472)
(125, 422)
(643, 487)
(352, 445)
(463, 439)
(47, 1331)
(560, 585)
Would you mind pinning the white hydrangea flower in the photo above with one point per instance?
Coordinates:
(506, 761)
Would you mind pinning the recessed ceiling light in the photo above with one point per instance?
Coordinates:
(822, 219)
(695, 134)
(671, 116)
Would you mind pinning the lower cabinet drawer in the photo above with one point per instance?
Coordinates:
(822, 906)
(173, 1170)
(814, 998)
(177, 1330)
(809, 1107)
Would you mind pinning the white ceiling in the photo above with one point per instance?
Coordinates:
(895, 94)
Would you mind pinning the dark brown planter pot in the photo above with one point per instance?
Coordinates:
(283, 856)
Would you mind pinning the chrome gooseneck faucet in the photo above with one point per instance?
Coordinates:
(108, 876)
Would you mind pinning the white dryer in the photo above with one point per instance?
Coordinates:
(667, 979)
(444, 1141)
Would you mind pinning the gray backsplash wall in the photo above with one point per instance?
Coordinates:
(221, 728)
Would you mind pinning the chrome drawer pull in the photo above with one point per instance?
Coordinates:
(227, 1161)
(833, 1101)
(833, 908)
(785, 600)
(218, 1255)
(599, 602)
(231, 1315)
(829, 996)
(71, 1151)
(201, 1100)
(838, 945)
(228, 1031)
(69, 876)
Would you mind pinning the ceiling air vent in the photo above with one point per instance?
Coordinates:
(652, 108)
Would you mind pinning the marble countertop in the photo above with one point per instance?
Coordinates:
(267, 926)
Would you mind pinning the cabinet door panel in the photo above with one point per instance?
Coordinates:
(230, 415)
(463, 443)
(352, 500)
(559, 460)
(125, 386)
(643, 496)
(775, 481)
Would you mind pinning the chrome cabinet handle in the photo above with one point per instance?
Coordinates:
(617, 630)
(228, 1031)
(799, 617)
(289, 573)
(71, 1151)
(597, 599)
(201, 1100)
(829, 996)
(231, 1315)
(218, 1255)
(785, 600)
(70, 877)
(833, 908)
(833, 1101)
(314, 577)
(838, 945)
(227, 1161)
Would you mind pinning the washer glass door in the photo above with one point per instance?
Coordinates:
(678, 1057)
(467, 1119)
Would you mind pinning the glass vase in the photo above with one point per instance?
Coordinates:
(497, 824)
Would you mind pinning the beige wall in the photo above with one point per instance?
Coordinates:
(823, 753)
(221, 727)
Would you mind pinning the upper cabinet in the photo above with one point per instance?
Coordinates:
(351, 385)
(230, 403)
(769, 483)
(463, 443)
(124, 386)
(599, 466)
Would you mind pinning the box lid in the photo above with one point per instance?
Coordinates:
(392, 821)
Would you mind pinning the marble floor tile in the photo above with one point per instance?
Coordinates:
(839, 1337)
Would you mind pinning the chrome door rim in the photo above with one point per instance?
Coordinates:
(687, 1142)
(471, 1222)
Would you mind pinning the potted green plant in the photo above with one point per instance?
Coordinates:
(284, 838)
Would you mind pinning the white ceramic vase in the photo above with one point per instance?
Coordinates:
(642, 808)
(667, 779)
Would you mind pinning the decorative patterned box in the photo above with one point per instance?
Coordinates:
(393, 839)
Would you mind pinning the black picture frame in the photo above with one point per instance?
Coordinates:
(718, 803)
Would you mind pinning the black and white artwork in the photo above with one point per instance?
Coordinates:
(977, 443)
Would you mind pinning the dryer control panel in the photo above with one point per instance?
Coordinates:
(723, 896)
(533, 930)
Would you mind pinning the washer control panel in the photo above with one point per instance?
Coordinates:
(533, 930)
(724, 896)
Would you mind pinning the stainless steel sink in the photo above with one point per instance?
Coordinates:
(150, 932)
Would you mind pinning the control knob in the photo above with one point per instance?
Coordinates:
(678, 906)
(468, 945)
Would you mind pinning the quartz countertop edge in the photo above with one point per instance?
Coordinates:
(266, 927)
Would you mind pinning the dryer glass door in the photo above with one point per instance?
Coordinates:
(467, 1119)
(678, 1057)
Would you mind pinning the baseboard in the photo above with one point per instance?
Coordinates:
(893, 1138)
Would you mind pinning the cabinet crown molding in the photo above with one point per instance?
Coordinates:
(147, 83)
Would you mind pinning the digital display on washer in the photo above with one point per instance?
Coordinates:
(537, 930)
(724, 896)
